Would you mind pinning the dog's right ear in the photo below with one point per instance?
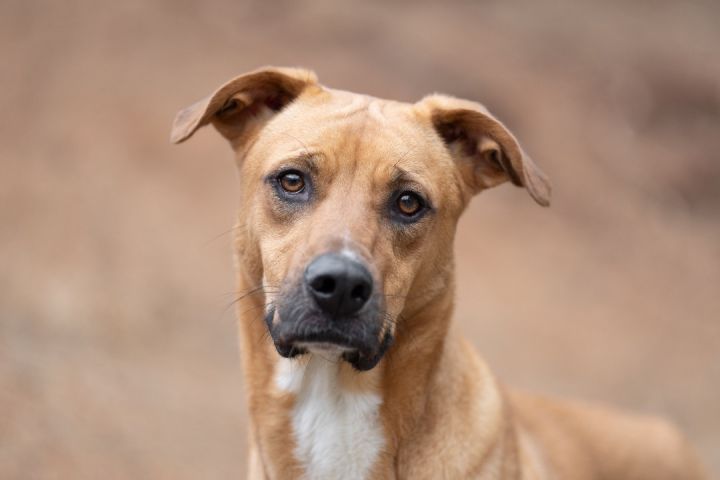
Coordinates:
(486, 152)
(243, 104)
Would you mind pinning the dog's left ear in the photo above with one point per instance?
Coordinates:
(244, 103)
(486, 152)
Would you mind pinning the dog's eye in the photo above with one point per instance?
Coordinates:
(409, 203)
(291, 181)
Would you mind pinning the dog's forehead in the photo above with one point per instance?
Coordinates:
(354, 127)
(330, 101)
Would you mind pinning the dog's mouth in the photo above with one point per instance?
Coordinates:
(359, 343)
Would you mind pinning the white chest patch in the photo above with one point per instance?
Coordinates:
(338, 433)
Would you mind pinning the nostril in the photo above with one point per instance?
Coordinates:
(359, 293)
(323, 284)
(339, 286)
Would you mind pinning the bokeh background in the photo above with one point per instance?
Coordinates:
(118, 354)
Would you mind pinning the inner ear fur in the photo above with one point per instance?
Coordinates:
(487, 152)
(250, 96)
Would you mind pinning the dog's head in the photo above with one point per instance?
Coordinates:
(350, 202)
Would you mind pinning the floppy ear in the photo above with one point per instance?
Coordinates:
(486, 152)
(243, 101)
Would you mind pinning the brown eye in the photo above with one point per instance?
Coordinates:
(291, 182)
(409, 203)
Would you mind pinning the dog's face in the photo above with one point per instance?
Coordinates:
(350, 202)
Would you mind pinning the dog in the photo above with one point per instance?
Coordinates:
(344, 256)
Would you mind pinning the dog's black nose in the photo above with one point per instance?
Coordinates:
(340, 285)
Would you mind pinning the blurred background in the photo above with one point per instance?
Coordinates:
(118, 354)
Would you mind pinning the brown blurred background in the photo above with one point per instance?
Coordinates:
(117, 352)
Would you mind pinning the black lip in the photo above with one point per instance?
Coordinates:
(287, 344)
(361, 357)
(362, 362)
(328, 336)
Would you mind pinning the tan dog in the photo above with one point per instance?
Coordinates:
(344, 251)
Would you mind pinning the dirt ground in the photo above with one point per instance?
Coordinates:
(118, 355)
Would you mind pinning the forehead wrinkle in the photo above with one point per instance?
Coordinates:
(404, 170)
(376, 111)
(302, 144)
(357, 130)
(350, 103)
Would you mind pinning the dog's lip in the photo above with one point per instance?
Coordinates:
(324, 347)
(361, 357)
(327, 343)
(329, 338)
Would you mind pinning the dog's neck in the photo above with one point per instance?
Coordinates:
(315, 417)
(336, 422)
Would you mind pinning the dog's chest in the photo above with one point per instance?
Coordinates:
(338, 433)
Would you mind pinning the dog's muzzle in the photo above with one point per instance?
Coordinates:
(334, 307)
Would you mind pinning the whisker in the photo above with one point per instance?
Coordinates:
(254, 290)
(302, 144)
(217, 237)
